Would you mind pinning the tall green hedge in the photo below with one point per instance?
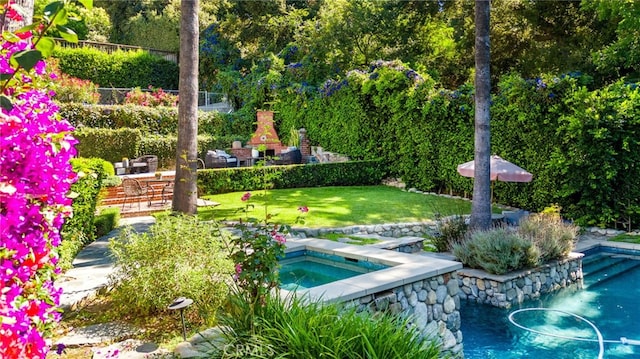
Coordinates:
(110, 145)
(79, 230)
(154, 120)
(353, 173)
(582, 145)
(119, 68)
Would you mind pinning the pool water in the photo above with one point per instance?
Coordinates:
(310, 273)
(610, 299)
(308, 269)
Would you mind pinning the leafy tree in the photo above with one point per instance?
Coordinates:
(620, 57)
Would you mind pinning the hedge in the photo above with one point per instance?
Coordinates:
(79, 229)
(119, 68)
(353, 173)
(581, 145)
(110, 145)
(154, 120)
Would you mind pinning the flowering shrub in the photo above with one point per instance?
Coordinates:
(256, 252)
(73, 89)
(156, 97)
(35, 176)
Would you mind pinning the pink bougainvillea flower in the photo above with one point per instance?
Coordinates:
(238, 268)
(303, 209)
(246, 197)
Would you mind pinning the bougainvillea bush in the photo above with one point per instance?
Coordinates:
(35, 177)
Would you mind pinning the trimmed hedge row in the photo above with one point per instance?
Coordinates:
(354, 173)
(119, 68)
(113, 145)
(79, 229)
(156, 120)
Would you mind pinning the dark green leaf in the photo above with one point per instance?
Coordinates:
(46, 45)
(5, 103)
(27, 59)
(52, 8)
(67, 34)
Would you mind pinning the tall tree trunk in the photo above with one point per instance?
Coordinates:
(481, 208)
(7, 24)
(185, 192)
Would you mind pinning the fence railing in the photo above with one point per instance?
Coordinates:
(109, 48)
(114, 96)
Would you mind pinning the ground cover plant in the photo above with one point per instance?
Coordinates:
(299, 328)
(626, 237)
(339, 206)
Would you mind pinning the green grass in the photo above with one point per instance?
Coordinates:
(358, 241)
(336, 206)
(625, 237)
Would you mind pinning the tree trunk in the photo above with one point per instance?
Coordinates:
(185, 192)
(481, 208)
(7, 24)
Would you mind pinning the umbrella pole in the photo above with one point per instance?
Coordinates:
(492, 183)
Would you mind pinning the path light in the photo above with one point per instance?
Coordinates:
(181, 303)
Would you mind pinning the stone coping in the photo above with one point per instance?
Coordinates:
(501, 278)
(617, 245)
(404, 269)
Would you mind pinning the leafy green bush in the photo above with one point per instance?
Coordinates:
(153, 98)
(497, 251)
(106, 220)
(78, 230)
(112, 181)
(451, 230)
(119, 68)
(353, 173)
(179, 256)
(110, 145)
(553, 237)
(310, 329)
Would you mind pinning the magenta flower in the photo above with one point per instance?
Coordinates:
(238, 268)
(246, 197)
(303, 209)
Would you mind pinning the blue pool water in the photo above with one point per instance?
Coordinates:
(610, 299)
(308, 269)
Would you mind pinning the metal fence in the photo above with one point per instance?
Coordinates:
(115, 96)
(110, 47)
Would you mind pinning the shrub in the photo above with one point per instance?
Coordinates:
(78, 231)
(553, 238)
(451, 230)
(110, 145)
(301, 328)
(73, 89)
(106, 221)
(153, 98)
(497, 251)
(119, 68)
(179, 257)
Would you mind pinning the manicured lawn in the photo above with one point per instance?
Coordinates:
(336, 206)
(628, 238)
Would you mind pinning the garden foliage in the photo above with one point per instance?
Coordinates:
(303, 328)
(178, 257)
(581, 145)
(353, 173)
(119, 69)
(538, 239)
(35, 178)
(79, 230)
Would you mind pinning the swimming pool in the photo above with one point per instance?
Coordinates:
(609, 299)
(307, 269)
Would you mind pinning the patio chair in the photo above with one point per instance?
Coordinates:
(150, 160)
(133, 189)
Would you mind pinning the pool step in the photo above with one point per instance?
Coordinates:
(602, 275)
(599, 262)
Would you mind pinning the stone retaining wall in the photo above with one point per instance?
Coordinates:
(433, 303)
(396, 230)
(506, 290)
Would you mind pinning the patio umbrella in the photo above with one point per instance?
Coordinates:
(499, 170)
